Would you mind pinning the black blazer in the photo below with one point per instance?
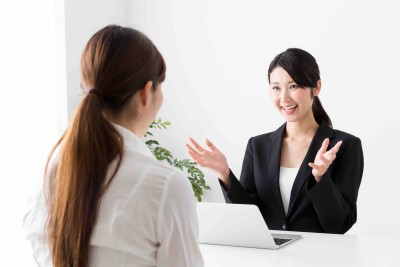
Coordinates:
(326, 207)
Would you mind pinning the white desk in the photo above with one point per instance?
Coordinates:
(311, 250)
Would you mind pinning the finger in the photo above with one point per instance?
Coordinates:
(335, 149)
(196, 145)
(325, 161)
(324, 146)
(204, 162)
(192, 151)
(191, 154)
(330, 156)
(318, 168)
(211, 145)
(193, 157)
(200, 162)
(314, 166)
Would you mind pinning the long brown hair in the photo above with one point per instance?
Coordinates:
(115, 64)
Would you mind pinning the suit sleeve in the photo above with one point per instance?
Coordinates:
(334, 198)
(243, 191)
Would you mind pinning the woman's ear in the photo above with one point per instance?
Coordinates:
(317, 89)
(146, 93)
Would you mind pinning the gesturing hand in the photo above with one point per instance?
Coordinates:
(212, 159)
(323, 159)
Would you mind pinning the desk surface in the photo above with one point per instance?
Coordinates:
(311, 250)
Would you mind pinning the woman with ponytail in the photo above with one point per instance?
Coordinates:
(107, 201)
(305, 175)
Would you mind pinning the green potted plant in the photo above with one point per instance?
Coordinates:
(195, 175)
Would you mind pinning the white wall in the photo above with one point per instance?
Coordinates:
(217, 55)
(28, 114)
(82, 20)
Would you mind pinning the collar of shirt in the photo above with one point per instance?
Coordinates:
(132, 141)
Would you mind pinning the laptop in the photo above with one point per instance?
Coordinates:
(237, 225)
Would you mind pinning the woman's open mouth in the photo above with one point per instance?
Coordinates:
(289, 109)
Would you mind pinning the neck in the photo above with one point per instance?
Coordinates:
(301, 129)
(134, 125)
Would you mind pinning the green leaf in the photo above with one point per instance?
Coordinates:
(151, 142)
(195, 175)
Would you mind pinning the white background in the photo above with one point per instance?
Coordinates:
(217, 55)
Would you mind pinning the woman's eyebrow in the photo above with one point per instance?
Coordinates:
(287, 82)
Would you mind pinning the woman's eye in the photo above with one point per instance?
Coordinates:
(275, 88)
(294, 86)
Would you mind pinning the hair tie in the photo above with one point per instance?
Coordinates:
(96, 92)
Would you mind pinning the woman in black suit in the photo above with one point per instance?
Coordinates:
(305, 175)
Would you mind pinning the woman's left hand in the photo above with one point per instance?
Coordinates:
(323, 159)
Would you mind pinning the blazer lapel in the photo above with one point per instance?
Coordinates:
(324, 131)
(274, 163)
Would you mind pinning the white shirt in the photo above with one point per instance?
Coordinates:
(147, 216)
(286, 180)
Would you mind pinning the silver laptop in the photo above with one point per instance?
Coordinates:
(237, 225)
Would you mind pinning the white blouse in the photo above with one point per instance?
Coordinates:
(147, 216)
(286, 180)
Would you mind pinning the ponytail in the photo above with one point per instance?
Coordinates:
(78, 179)
(117, 61)
(319, 112)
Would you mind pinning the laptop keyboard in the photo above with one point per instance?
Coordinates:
(280, 241)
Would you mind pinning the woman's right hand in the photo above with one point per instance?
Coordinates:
(213, 159)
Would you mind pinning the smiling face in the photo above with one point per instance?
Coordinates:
(291, 100)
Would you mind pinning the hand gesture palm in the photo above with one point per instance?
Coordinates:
(323, 159)
(212, 159)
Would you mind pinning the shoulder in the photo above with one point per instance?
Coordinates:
(351, 147)
(267, 138)
(342, 134)
(270, 136)
(179, 185)
(262, 138)
(174, 179)
(158, 175)
(147, 161)
(347, 138)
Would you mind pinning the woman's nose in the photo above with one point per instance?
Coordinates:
(285, 95)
